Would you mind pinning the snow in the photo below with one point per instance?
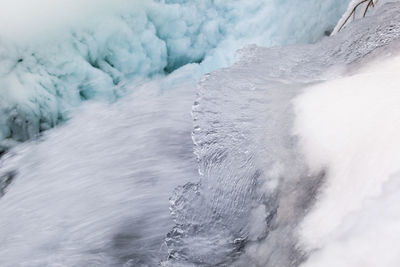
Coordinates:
(296, 146)
(351, 126)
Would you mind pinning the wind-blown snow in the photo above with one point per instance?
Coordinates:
(63, 53)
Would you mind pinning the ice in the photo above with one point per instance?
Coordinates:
(269, 135)
(357, 9)
(269, 166)
(67, 52)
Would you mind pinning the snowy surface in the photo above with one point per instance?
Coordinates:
(351, 126)
(63, 53)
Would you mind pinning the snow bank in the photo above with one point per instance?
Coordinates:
(56, 55)
(351, 126)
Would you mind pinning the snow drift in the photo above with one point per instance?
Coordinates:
(350, 127)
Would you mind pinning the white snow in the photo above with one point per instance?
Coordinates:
(351, 128)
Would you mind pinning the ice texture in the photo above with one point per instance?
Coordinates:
(66, 52)
(95, 191)
(259, 181)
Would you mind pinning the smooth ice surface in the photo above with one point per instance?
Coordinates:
(63, 53)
